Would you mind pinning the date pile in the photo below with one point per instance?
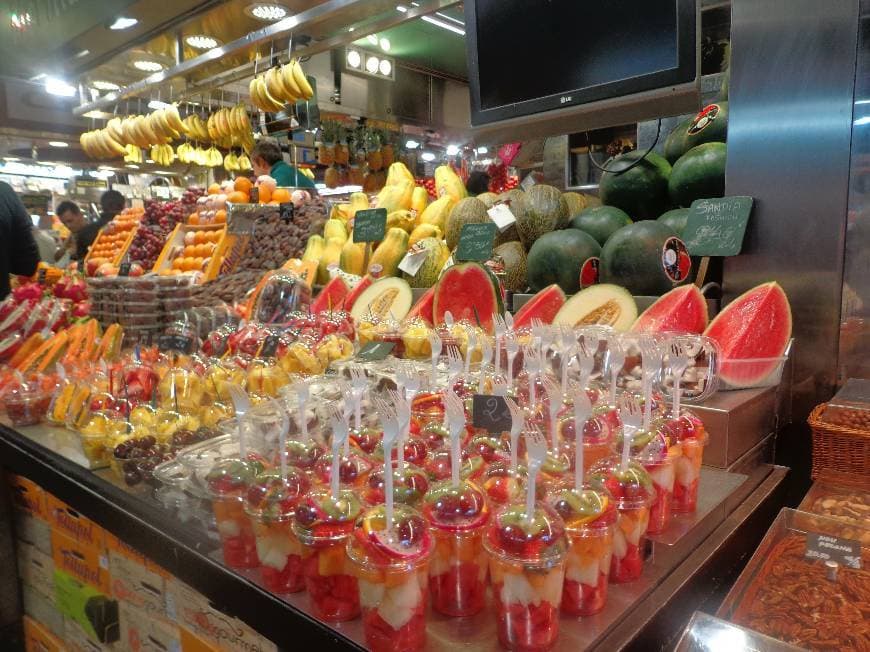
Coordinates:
(226, 288)
(273, 240)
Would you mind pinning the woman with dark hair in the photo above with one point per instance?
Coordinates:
(478, 183)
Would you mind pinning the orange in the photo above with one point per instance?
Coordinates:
(188, 250)
(177, 263)
(237, 197)
(281, 195)
(265, 194)
(220, 216)
(193, 219)
(243, 184)
(198, 237)
(197, 264)
(214, 189)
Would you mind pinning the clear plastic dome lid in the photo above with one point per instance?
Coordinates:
(273, 498)
(536, 540)
(231, 477)
(583, 508)
(457, 508)
(406, 541)
(631, 487)
(281, 295)
(320, 517)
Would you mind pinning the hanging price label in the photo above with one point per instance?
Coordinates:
(502, 216)
(414, 259)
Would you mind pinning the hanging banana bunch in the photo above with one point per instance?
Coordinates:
(100, 144)
(162, 154)
(195, 127)
(133, 155)
(244, 163)
(271, 90)
(231, 162)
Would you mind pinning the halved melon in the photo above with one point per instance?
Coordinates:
(545, 305)
(683, 309)
(423, 307)
(602, 304)
(387, 298)
(468, 291)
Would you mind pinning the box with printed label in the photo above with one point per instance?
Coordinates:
(36, 569)
(38, 639)
(134, 582)
(27, 495)
(85, 563)
(193, 643)
(143, 632)
(76, 639)
(32, 530)
(42, 609)
(95, 613)
(70, 522)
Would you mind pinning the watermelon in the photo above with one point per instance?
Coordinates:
(683, 309)
(468, 291)
(753, 333)
(331, 297)
(545, 210)
(386, 298)
(710, 125)
(357, 290)
(557, 257)
(641, 191)
(544, 306)
(601, 222)
(698, 174)
(423, 307)
(633, 257)
(675, 143)
(602, 304)
(675, 219)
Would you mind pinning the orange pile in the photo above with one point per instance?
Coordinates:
(197, 252)
(110, 242)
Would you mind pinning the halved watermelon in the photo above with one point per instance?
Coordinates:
(331, 297)
(423, 307)
(753, 333)
(386, 298)
(357, 290)
(469, 291)
(683, 309)
(544, 306)
(602, 304)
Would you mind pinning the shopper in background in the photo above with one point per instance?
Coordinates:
(111, 202)
(478, 183)
(266, 158)
(18, 251)
(45, 240)
(82, 234)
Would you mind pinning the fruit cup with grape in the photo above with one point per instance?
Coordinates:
(527, 569)
(271, 503)
(409, 485)
(228, 482)
(652, 451)
(589, 517)
(457, 516)
(353, 470)
(322, 524)
(389, 557)
(688, 437)
(632, 489)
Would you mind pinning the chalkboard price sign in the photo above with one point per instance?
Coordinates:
(715, 227)
(374, 351)
(475, 242)
(370, 225)
(180, 343)
(828, 548)
(285, 211)
(491, 413)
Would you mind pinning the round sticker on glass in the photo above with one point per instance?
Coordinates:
(589, 272)
(676, 260)
(707, 115)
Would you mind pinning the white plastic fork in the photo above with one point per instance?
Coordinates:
(470, 346)
(533, 364)
(512, 346)
(615, 361)
(241, 405)
(435, 344)
(338, 423)
(485, 354)
(390, 426)
(679, 361)
(585, 364)
(358, 382)
(651, 363)
(631, 417)
(455, 413)
(518, 420)
(403, 415)
(567, 349)
(582, 411)
(536, 453)
(500, 327)
(554, 394)
(499, 386)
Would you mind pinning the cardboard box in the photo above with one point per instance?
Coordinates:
(36, 569)
(77, 639)
(27, 495)
(142, 632)
(137, 584)
(32, 530)
(42, 609)
(85, 563)
(38, 639)
(193, 643)
(70, 522)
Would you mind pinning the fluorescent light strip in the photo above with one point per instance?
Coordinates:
(443, 25)
(450, 18)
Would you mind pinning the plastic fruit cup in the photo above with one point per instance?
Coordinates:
(527, 569)
(457, 571)
(228, 482)
(662, 474)
(322, 524)
(27, 407)
(353, 470)
(597, 439)
(390, 568)
(409, 486)
(688, 465)
(270, 504)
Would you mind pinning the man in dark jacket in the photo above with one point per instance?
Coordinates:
(18, 251)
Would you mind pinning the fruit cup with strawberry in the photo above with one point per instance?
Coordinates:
(389, 553)
(410, 484)
(353, 470)
(228, 483)
(689, 438)
(322, 524)
(270, 503)
(652, 451)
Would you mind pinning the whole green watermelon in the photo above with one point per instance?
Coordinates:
(556, 257)
(600, 221)
(675, 219)
(710, 125)
(641, 191)
(675, 143)
(698, 174)
(632, 258)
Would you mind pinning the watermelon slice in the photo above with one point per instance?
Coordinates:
(331, 297)
(357, 290)
(468, 291)
(423, 307)
(683, 309)
(753, 333)
(544, 306)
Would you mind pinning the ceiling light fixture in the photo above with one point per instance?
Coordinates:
(354, 59)
(58, 143)
(11, 158)
(266, 12)
(201, 42)
(147, 66)
(132, 166)
(122, 22)
(83, 53)
(385, 67)
(55, 86)
(427, 156)
(372, 38)
(372, 64)
(157, 104)
(402, 8)
(103, 85)
(350, 29)
(411, 144)
(444, 25)
(452, 150)
(385, 44)
(20, 21)
(482, 150)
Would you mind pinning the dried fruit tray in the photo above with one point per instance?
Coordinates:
(843, 497)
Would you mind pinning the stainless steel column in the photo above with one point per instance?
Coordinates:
(789, 132)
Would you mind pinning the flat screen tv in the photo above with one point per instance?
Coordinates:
(528, 58)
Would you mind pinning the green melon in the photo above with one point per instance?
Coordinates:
(709, 125)
(545, 210)
(469, 210)
(675, 219)
(632, 257)
(557, 257)
(488, 198)
(675, 143)
(641, 191)
(698, 174)
(515, 265)
(576, 202)
(601, 221)
(437, 254)
(602, 304)
(516, 201)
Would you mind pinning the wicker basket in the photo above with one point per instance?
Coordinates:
(838, 448)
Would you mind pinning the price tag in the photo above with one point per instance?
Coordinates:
(475, 242)
(501, 214)
(374, 351)
(179, 343)
(40, 277)
(285, 211)
(370, 225)
(715, 227)
(270, 346)
(413, 260)
(843, 551)
(528, 182)
(491, 413)
(124, 269)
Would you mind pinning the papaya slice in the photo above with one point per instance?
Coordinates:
(28, 347)
(110, 344)
(54, 352)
